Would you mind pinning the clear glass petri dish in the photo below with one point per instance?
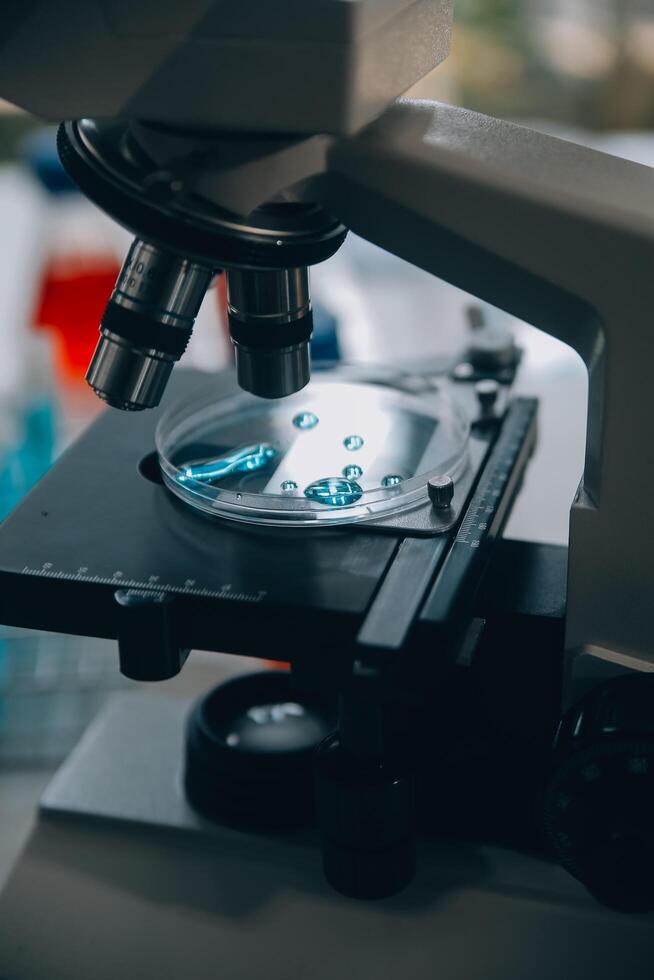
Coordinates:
(343, 450)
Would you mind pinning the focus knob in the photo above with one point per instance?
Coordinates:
(367, 823)
(249, 752)
(599, 804)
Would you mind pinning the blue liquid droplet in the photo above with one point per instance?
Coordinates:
(288, 485)
(352, 472)
(247, 459)
(353, 442)
(334, 491)
(305, 420)
(391, 480)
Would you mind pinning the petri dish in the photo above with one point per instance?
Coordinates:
(343, 450)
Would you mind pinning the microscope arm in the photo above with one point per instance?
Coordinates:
(562, 237)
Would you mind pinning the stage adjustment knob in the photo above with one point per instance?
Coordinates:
(599, 804)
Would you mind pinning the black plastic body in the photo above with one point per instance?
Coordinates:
(406, 624)
(265, 782)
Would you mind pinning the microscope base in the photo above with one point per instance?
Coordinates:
(121, 879)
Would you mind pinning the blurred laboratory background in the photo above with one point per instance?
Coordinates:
(584, 63)
(581, 69)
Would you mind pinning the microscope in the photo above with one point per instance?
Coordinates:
(442, 680)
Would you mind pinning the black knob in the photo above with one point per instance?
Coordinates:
(147, 626)
(249, 751)
(366, 819)
(599, 804)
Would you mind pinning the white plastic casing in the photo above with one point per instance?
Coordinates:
(293, 66)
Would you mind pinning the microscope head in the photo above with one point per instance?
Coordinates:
(196, 128)
(250, 66)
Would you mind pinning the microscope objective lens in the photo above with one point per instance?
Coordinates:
(305, 420)
(334, 491)
(352, 472)
(391, 480)
(353, 443)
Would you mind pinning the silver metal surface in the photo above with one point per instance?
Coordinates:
(268, 297)
(126, 378)
(441, 491)
(166, 287)
(266, 300)
(273, 373)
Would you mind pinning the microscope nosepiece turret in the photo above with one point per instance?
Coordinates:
(173, 200)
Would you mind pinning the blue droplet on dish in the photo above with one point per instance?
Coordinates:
(289, 485)
(391, 480)
(352, 472)
(305, 420)
(353, 443)
(246, 459)
(334, 491)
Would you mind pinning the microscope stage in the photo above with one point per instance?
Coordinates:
(101, 525)
(95, 524)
